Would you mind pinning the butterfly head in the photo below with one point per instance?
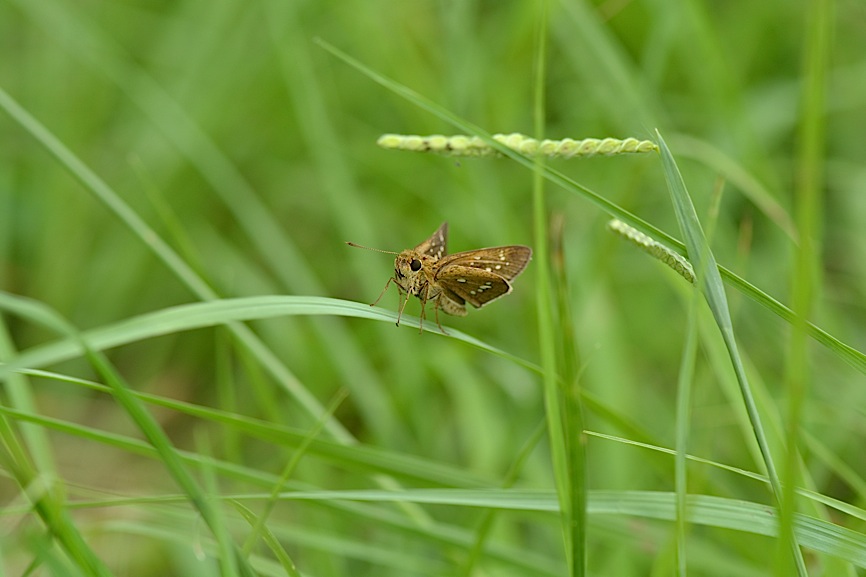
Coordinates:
(410, 270)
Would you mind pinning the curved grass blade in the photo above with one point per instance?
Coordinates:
(217, 312)
(710, 282)
(743, 516)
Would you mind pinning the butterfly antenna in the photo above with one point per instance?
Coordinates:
(368, 248)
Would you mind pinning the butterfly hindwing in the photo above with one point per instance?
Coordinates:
(473, 285)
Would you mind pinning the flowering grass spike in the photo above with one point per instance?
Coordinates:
(657, 249)
(461, 145)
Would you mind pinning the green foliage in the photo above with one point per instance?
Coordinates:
(180, 318)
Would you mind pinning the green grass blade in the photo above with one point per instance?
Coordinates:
(808, 186)
(557, 426)
(685, 383)
(684, 412)
(742, 516)
(20, 396)
(43, 490)
(136, 411)
(388, 463)
(357, 457)
(197, 315)
(572, 398)
(269, 538)
(360, 458)
(511, 476)
(710, 282)
(259, 525)
(720, 163)
(266, 480)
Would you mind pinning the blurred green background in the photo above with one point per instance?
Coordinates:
(251, 150)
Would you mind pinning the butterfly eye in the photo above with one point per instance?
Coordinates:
(415, 265)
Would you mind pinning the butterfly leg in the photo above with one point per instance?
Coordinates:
(423, 316)
(381, 294)
(402, 305)
(444, 332)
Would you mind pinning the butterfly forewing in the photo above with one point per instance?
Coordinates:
(505, 261)
(437, 245)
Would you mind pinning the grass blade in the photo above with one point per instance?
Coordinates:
(140, 416)
(710, 282)
(197, 315)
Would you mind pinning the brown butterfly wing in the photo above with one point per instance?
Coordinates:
(473, 285)
(436, 245)
(505, 261)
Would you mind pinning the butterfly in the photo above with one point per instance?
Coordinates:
(450, 281)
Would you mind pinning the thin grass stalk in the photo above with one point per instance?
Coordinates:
(20, 395)
(227, 554)
(289, 470)
(808, 185)
(41, 488)
(270, 539)
(713, 289)
(47, 500)
(572, 393)
(685, 384)
(544, 307)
